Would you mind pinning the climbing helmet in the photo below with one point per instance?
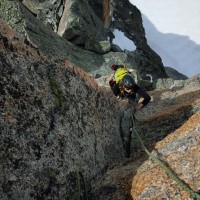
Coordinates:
(128, 81)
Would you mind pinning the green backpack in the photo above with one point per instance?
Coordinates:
(119, 74)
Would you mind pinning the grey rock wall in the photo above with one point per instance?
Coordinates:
(172, 73)
(56, 124)
(99, 55)
(60, 131)
(169, 128)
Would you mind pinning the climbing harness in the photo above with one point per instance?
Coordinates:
(162, 165)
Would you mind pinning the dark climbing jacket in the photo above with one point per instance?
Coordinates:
(117, 89)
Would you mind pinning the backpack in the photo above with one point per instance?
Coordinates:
(120, 73)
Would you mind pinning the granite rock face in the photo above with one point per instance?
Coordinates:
(10, 14)
(141, 178)
(172, 73)
(56, 124)
(130, 23)
(56, 47)
(181, 151)
(168, 110)
(90, 28)
(48, 11)
(169, 127)
(65, 137)
(79, 23)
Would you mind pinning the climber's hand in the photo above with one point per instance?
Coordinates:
(125, 100)
(138, 107)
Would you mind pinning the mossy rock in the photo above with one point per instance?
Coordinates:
(148, 86)
(10, 14)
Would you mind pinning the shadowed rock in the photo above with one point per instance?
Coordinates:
(55, 122)
(94, 39)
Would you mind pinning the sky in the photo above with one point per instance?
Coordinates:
(172, 30)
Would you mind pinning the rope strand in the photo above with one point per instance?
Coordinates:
(167, 169)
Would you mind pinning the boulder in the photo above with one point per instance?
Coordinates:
(79, 23)
(172, 73)
(11, 15)
(180, 152)
(169, 83)
(48, 11)
(130, 23)
(55, 47)
(169, 127)
(100, 47)
(97, 40)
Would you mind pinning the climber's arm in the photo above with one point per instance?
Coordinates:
(144, 95)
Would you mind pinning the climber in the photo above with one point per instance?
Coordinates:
(124, 86)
